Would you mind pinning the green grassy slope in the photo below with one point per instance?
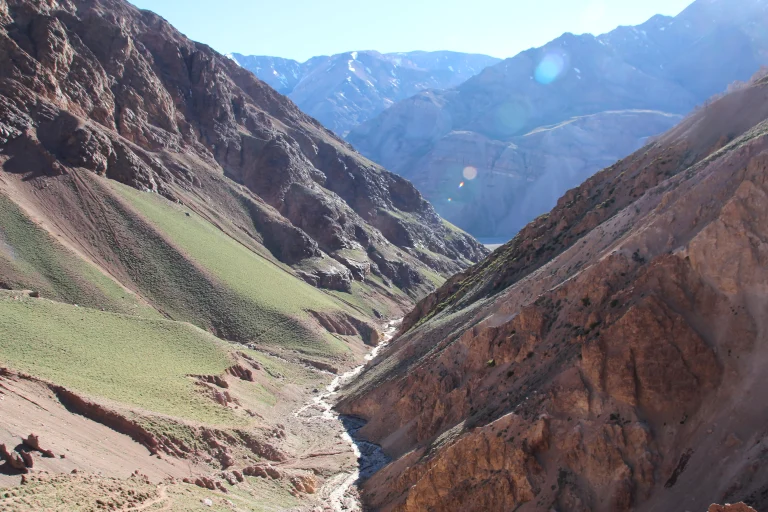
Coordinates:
(138, 362)
(30, 258)
(239, 268)
(254, 299)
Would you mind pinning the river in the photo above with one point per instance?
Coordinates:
(340, 491)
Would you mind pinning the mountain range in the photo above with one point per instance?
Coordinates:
(209, 301)
(345, 90)
(498, 150)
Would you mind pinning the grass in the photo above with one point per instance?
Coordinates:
(238, 267)
(67, 493)
(363, 298)
(83, 493)
(30, 258)
(258, 300)
(134, 361)
(257, 494)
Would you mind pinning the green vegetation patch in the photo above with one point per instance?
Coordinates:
(134, 361)
(30, 258)
(257, 494)
(259, 300)
(237, 266)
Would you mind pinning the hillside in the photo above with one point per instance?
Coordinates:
(608, 358)
(494, 132)
(185, 260)
(150, 114)
(344, 90)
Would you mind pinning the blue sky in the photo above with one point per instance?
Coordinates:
(300, 29)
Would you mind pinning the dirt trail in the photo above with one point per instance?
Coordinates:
(339, 493)
(162, 497)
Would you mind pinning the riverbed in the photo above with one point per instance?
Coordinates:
(340, 492)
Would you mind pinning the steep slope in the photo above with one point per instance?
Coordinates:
(345, 90)
(136, 102)
(610, 357)
(665, 66)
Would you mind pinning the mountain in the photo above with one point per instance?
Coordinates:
(524, 131)
(609, 358)
(344, 90)
(186, 259)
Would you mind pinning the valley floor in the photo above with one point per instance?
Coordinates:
(275, 445)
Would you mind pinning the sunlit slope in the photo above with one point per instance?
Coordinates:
(258, 300)
(30, 258)
(133, 361)
(158, 259)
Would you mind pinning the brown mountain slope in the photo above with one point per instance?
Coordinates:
(610, 357)
(103, 87)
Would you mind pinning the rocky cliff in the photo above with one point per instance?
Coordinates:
(104, 88)
(482, 153)
(345, 90)
(610, 357)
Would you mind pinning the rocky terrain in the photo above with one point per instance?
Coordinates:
(185, 260)
(131, 99)
(345, 90)
(609, 358)
(498, 150)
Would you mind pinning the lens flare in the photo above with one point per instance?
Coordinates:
(550, 68)
(461, 184)
(469, 173)
(510, 117)
(449, 199)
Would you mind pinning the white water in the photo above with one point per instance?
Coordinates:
(369, 456)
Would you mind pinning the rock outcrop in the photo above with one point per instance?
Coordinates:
(609, 358)
(738, 507)
(498, 150)
(33, 442)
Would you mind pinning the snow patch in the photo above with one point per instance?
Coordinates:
(232, 58)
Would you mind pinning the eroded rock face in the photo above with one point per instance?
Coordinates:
(738, 507)
(605, 358)
(102, 86)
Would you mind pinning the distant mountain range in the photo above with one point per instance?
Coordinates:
(499, 149)
(345, 90)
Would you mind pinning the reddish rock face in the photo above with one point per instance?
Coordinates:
(738, 507)
(100, 86)
(609, 358)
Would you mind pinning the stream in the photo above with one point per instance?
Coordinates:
(370, 457)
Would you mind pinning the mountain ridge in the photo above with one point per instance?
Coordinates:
(186, 258)
(346, 89)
